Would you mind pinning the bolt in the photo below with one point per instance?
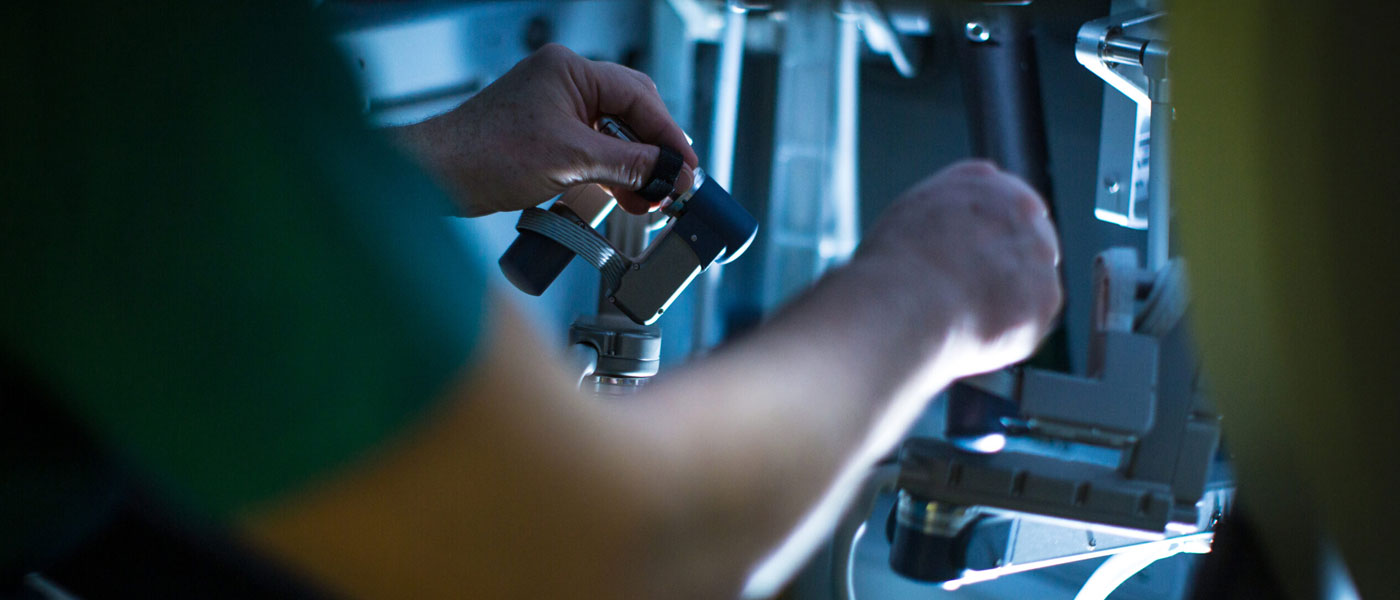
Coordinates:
(1111, 185)
(694, 238)
(977, 32)
(637, 266)
(612, 299)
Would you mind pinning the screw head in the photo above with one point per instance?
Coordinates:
(1111, 185)
(977, 32)
(694, 237)
(612, 299)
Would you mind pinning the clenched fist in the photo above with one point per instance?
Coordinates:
(977, 245)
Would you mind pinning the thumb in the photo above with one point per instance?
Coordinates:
(625, 167)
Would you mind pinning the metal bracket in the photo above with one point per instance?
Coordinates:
(1123, 192)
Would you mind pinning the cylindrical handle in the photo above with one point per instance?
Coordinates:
(717, 228)
(534, 261)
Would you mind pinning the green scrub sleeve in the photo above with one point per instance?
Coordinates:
(211, 259)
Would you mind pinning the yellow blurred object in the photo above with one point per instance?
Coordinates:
(1284, 174)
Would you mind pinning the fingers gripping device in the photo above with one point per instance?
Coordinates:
(705, 226)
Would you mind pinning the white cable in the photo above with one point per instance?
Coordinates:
(851, 563)
(1119, 567)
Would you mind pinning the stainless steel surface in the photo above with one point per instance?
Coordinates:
(1122, 49)
(619, 347)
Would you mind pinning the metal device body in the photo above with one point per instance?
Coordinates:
(706, 227)
(616, 356)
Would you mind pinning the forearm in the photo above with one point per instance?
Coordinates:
(767, 426)
(442, 147)
(519, 486)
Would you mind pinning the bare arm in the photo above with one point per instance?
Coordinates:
(521, 487)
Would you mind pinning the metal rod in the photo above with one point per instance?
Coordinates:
(845, 196)
(721, 161)
(1159, 188)
(726, 121)
(1001, 86)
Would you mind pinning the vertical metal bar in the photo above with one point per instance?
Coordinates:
(1002, 87)
(1159, 187)
(720, 166)
(726, 122)
(802, 213)
(845, 194)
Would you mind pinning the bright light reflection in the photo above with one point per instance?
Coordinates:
(986, 444)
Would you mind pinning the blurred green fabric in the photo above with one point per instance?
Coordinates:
(230, 281)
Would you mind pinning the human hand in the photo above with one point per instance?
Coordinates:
(528, 136)
(978, 246)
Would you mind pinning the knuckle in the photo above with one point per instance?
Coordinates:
(637, 168)
(644, 78)
(1050, 251)
(975, 166)
(554, 53)
(1029, 202)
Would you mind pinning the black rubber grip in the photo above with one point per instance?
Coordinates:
(663, 176)
(533, 261)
